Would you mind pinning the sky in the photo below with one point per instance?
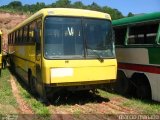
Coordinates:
(124, 6)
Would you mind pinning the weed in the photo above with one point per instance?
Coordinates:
(39, 108)
(8, 103)
(6, 90)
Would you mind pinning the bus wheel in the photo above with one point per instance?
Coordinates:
(32, 84)
(141, 92)
(143, 89)
(122, 83)
(12, 67)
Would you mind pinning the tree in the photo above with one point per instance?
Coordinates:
(63, 3)
(130, 14)
(94, 6)
(15, 4)
(78, 4)
(115, 14)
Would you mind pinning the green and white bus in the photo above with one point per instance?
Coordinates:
(137, 41)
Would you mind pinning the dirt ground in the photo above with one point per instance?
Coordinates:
(76, 106)
(7, 22)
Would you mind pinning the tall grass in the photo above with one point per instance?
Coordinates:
(7, 100)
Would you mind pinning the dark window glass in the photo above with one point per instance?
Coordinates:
(143, 34)
(25, 35)
(20, 36)
(31, 32)
(98, 36)
(0, 43)
(13, 39)
(9, 38)
(37, 35)
(17, 36)
(120, 34)
(64, 38)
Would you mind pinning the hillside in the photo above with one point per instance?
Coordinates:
(7, 22)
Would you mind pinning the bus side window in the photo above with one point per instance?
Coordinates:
(10, 38)
(20, 36)
(13, 38)
(143, 34)
(120, 34)
(17, 37)
(0, 42)
(25, 34)
(31, 32)
(37, 33)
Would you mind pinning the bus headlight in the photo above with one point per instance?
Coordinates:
(61, 72)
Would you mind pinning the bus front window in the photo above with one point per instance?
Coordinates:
(63, 38)
(68, 38)
(98, 35)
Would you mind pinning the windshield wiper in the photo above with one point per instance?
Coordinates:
(95, 53)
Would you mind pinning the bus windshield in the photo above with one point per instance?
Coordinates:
(75, 38)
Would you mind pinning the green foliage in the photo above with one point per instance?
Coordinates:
(144, 106)
(8, 102)
(17, 6)
(130, 14)
(39, 108)
(63, 3)
(6, 96)
(141, 106)
(78, 4)
(94, 6)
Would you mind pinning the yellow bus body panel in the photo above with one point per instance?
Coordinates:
(64, 12)
(24, 58)
(70, 71)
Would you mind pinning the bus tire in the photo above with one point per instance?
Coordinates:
(32, 84)
(142, 92)
(143, 89)
(12, 66)
(122, 83)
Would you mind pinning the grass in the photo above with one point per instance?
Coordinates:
(39, 108)
(8, 103)
(107, 94)
(14, 11)
(6, 96)
(142, 106)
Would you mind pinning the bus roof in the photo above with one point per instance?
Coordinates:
(65, 12)
(137, 19)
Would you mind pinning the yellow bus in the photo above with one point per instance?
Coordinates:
(0, 51)
(64, 49)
